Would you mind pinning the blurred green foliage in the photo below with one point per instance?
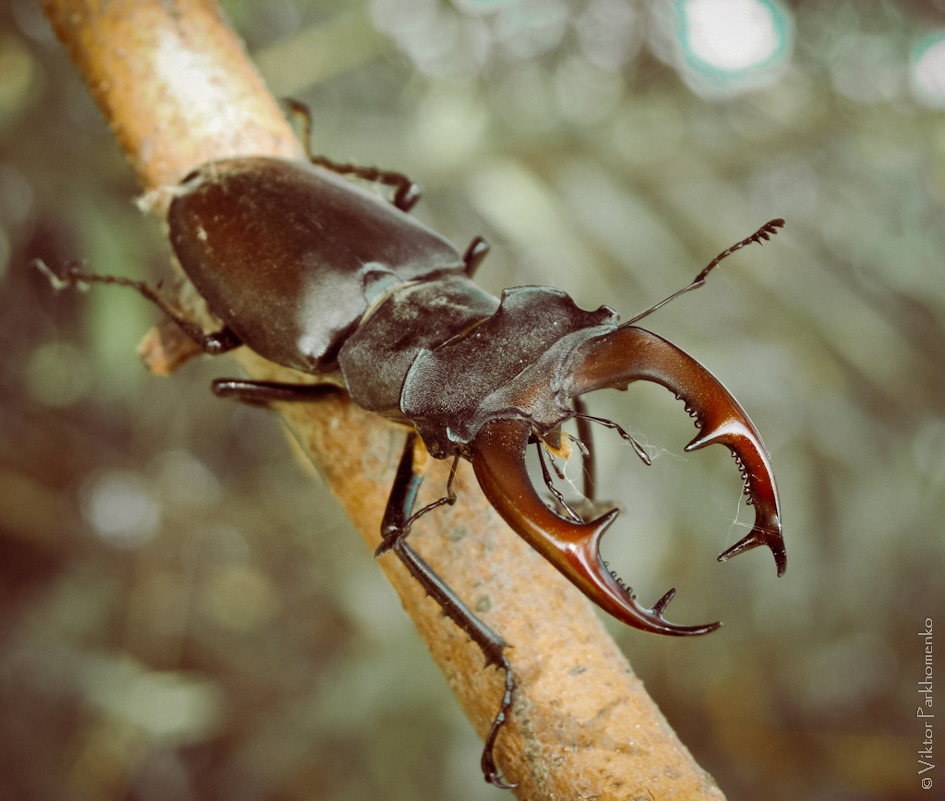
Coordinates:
(184, 616)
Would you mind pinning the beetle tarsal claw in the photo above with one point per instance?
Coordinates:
(498, 457)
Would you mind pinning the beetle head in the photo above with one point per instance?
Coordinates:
(616, 359)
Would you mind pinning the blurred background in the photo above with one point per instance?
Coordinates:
(183, 615)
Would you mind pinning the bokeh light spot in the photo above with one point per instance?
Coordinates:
(57, 374)
(732, 44)
(121, 509)
(928, 71)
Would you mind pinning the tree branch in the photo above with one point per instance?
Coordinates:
(177, 89)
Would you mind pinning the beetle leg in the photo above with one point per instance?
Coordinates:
(603, 421)
(398, 518)
(586, 438)
(555, 492)
(478, 249)
(630, 354)
(407, 192)
(262, 393)
(585, 442)
(213, 343)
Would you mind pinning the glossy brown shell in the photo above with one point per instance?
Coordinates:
(289, 255)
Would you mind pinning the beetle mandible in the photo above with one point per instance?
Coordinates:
(317, 274)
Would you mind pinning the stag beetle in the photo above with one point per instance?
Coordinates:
(317, 274)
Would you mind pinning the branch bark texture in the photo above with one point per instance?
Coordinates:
(177, 88)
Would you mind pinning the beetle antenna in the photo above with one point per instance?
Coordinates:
(760, 236)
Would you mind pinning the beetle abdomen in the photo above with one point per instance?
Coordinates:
(293, 296)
